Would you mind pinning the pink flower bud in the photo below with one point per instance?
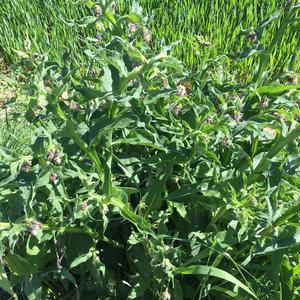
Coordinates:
(132, 27)
(147, 36)
(293, 80)
(98, 10)
(270, 131)
(26, 167)
(52, 154)
(53, 178)
(252, 37)
(84, 205)
(165, 295)
(176, 109)
(99, 37)
(34, 227)
(225, 142)
(265, 103)
(209, 120)
(64, 95)
(58, 161)
(74, 105)
(181, 91)
(238, 116)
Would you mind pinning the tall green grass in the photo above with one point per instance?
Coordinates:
(218, 23)
(38, 25)
(15, 131)
(206, 28)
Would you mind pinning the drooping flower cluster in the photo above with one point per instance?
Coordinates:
(53, 178)
(53, 155)
(252, 37)
(26, 166)
(181, 91)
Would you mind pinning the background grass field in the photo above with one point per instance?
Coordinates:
(206, 29)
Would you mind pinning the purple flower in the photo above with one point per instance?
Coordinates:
(238, 116)
(209, 120)
(26, 166)
(84, 205)
(52, 154)
(181, 91)
(53, 178)
(265, 103)
(34, 227)
(132, 27)
(74, 105)
(252, 37)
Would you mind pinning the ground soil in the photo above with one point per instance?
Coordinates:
(6, 92)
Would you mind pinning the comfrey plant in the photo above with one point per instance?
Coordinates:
(144, 181)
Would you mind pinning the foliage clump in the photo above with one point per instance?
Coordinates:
(146, 181)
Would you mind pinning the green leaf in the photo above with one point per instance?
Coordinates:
(215, 272)
(245, 53)
(132, 51)
(287, 280)
(153, 198)
(4, 282)
(139, 289)
(285, 241)
(90, 93)
(19, 265)
(269, 20)
(34, 250)
(272, 90)
(88, 3)
(263, 165)
(81, 259)
(131, 17)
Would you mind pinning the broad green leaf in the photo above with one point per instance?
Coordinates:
(105, 124)
(262, 166)
(81, 259)
(4, 226)
(131, 17)
(90, 93)
(129, 215)
(4, 282)
(269, 20)
(275, 90)
(132, 51)
(139, 289)
(286, 241)
(245, 53)
(287, 279)
(19, 265)
(153, 198)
